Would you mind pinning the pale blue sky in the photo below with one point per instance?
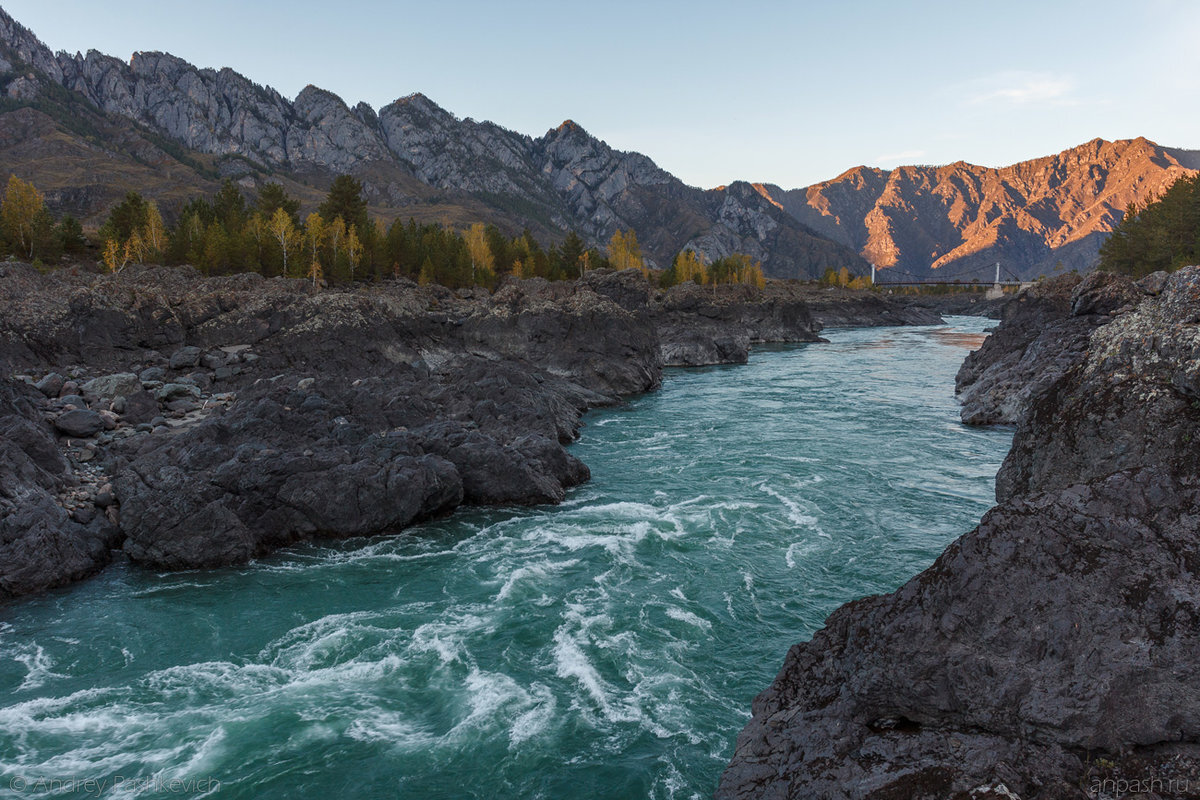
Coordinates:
(785, 92)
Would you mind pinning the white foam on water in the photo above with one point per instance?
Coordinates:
(38, 665)
(490, 695)
(688, 617)
(572, 663)
(534, 721)
(167, 586)
(795, 513)
(327, 639)
(215, 680)
(446, 638)
(207, 755)
(390, 727)
(534, 571)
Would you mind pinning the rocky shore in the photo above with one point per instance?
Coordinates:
(184, 422)
(1051, 652)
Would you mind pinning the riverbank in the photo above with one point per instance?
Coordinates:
(1050, 652)
(190, 422)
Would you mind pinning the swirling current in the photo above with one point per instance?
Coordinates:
(608, 647)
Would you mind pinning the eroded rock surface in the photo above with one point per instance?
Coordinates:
(1043, 332)
(1056, 645)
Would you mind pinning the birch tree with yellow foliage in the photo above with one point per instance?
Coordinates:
(284, 232)
(21, 205)
(624, 252)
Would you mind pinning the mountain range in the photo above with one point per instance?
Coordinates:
(87, 128)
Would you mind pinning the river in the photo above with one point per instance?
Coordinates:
(608, 647)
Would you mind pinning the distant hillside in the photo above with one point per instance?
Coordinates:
(963, 218)
(172, 128)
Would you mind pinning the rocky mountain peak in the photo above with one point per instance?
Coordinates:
(25, 46)
(1034, 217)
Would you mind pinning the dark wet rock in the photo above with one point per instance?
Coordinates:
(1040, 337)
(79, 422)
(212, 359)
(1153, 283)
(702, 325)
(40, 545)
(121, 384)
(1056, 642)
(282, 465)
(182, 406)
(1032, 642)
(51, 385)
(140, 407)
(185, 357)
(1103, 293)
(175, 391)
(842, 308)
(970, 304)
(1134, 402)
(359, 411)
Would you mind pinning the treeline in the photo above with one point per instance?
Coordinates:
(28, 231)
(1161, 235)
(338, 243)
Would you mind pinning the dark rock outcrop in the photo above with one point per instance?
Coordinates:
(41, 544)
(1044, 331)
(841, 308)
(1054, 646)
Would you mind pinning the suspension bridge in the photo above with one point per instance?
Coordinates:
(898, 277)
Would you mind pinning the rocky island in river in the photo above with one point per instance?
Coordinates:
(189, 422)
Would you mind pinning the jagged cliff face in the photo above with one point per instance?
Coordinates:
(414, 152)
(1029, 216)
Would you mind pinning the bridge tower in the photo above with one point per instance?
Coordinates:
(997, 291)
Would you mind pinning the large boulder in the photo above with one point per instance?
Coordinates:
(80, 423)
(122, 384)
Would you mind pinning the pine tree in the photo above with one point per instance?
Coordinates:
(345, 200)
(272, 197)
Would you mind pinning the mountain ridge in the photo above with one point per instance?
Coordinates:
(412, 150)
(418, 159)
(1036, 215)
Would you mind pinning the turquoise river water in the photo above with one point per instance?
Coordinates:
(605, 648)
